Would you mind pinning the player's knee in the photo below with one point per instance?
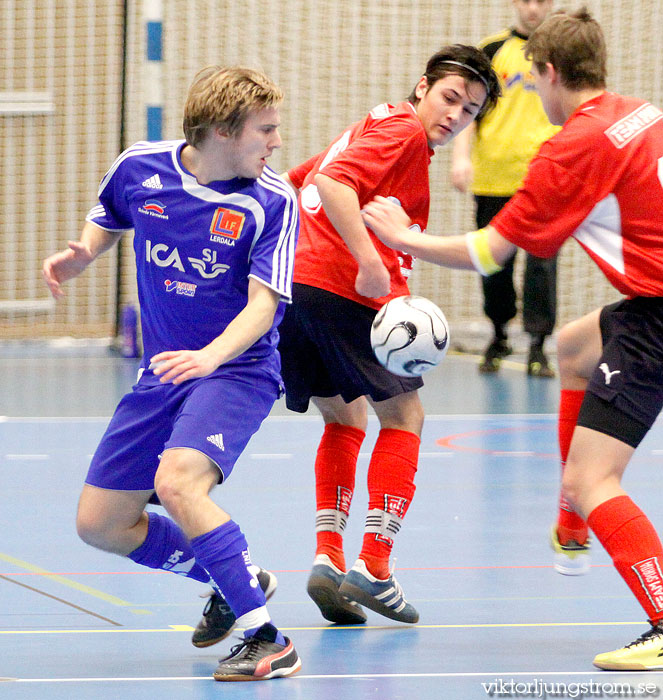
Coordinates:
(575, 352)
(169, 492)
(413, 422)
(335, 410)
(172, 484)
(405, 412)
(93, 529)
(417, 415)
(572, 487)
(567, 347)
(580, 485)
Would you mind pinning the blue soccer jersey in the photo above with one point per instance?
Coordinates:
(197, 246)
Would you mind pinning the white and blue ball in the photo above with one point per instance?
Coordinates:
(410, 335)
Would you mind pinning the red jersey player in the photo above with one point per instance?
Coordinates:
(600, 181)
(343, 274)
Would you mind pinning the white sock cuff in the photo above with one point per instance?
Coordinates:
(330, 520)
(254, 618)
(383, 523)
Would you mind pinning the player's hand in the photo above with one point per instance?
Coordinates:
(65, 265)
(387, 220)
(462, 174)
(373, 280)
(176, 366)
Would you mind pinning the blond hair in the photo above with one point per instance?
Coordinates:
(224, 97)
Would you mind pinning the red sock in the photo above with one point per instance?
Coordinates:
(570, 526)
(390, 490)
(636, 551)
(335, 466)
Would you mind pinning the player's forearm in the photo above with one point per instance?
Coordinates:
(485, 250)
(341, 206)
(448, 251)
(97, 240)
(69, 263)
(255, 319)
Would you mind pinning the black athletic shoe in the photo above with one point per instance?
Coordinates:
(538, 365)
(322, 587)
(492, 358)
(259, 658)
(218, 620)
(384, 596)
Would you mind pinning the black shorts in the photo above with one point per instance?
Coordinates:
(629, 376)
(326, 351)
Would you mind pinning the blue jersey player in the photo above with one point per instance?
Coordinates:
(215, 232)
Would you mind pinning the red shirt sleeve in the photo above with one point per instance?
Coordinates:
(383, 148)
(298, 174)
(563, 184)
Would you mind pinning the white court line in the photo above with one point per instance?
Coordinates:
(55, 419)
(340, 676)
(27, 457)
(294, 419)
(271, 455)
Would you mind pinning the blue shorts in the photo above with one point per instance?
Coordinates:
(216, 416)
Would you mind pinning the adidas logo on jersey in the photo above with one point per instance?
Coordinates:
(153, 183)
(217, 440)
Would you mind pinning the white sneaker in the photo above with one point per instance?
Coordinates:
(571, 559)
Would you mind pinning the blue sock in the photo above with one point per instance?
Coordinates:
(267, 632)
(167, 547)
(225, 555)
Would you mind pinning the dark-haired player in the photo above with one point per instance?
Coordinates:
(343, 275)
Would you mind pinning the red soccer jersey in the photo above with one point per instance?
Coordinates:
(386, 154)
(600, 180)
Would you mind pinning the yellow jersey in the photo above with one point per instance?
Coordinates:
(509, 136)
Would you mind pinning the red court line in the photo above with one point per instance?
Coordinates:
(448, 441)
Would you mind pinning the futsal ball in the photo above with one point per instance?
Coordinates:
(409, 336)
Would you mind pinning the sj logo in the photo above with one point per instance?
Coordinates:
(227, 223)
(216, 268)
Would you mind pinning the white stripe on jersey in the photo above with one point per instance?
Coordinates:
(381, 111)
(284, 252)
(99, 210)
(601, 232)
(138, 149)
